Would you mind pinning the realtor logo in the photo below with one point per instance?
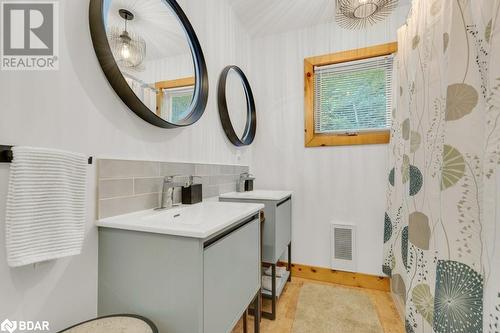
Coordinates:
(24, 326)
(29, 35)
(8, 326)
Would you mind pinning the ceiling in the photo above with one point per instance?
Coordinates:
(264, 17)
(155, 23)
(164, 37)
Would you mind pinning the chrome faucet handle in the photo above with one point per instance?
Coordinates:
(168, 188)
(191, 179)
(171, 177)
(246, 175)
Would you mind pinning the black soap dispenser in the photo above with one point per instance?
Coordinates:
(192, 193)
(249, 183)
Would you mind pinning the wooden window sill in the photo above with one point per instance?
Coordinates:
(323, 140)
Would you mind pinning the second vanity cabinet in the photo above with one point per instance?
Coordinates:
(276, 234)
(183, 284)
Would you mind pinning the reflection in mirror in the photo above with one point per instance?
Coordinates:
(236, 102)
(236, 106)
(154, 56)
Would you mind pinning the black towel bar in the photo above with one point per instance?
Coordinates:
(6, 154)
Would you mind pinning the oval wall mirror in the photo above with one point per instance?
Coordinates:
(152, 58)
(237, 106)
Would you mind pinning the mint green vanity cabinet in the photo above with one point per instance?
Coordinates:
(276, 235)
(277, 229)
(183, 284)
(282, 228)
(231, 278)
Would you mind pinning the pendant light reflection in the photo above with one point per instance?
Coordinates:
(129, 49)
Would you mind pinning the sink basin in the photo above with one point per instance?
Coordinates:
(173, 215)
(201, 220)
(257, 195)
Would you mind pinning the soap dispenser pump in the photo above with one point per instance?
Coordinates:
(192, 193)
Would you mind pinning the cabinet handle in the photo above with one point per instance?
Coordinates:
(217, 238)
(282, 202)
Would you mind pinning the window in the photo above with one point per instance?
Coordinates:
(348, 97)
(353, 97)
(174, 97)
(176, 103)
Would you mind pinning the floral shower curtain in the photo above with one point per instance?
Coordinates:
(442, 229)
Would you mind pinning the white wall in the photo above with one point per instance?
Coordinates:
(75, 109)
(170, 68)
(344, 184)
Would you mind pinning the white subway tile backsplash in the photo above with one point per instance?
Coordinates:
(210, 191)
(112, 188)
(125, 169)
(125, 205)
(225, 188)
(172, 169)
(148, 185)
(127, 186)
(208, 169)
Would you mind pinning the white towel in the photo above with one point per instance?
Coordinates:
(267, 282)
(280, 271)
(45, 216)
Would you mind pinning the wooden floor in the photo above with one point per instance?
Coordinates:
(287, 304)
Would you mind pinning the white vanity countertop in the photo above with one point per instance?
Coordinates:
(200, 220)
(257, 195)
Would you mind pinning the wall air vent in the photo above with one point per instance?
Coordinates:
(343, 247)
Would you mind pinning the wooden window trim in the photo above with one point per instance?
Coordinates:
(170, 84)
(313, 139)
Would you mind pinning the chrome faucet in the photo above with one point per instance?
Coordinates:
(241, 182)
(167, 192)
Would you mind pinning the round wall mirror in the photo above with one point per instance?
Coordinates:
(237, 106)
(152, 58)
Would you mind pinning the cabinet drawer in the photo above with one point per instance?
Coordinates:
(283, 226)
(231, 277)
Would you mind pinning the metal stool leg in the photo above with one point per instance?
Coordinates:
(245, 323)
(273, 291)
(257, 313)
(272, 315)
(289, 264)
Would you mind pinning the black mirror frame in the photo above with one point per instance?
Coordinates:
(251, 124)
(121, 87)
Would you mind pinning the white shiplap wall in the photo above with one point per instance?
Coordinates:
(76, 109)
(342, 184)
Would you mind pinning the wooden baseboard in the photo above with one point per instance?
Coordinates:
(344, 278)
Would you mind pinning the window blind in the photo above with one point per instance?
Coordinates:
(354, 96)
